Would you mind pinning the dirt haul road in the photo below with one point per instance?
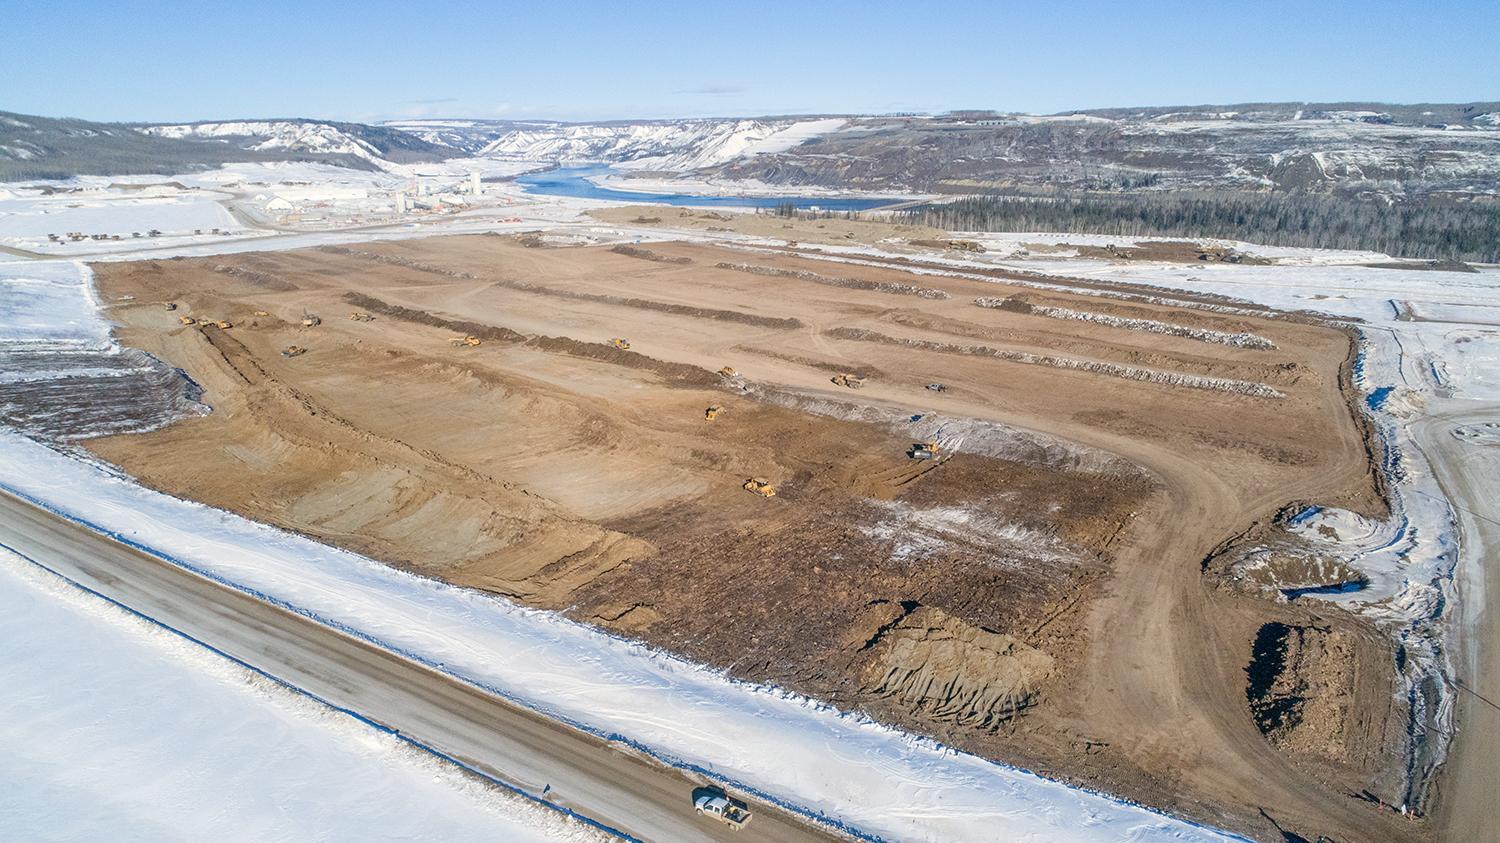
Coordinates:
(1469, 471)
(621, 790)
(1035, 597)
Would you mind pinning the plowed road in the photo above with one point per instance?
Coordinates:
(621, 790)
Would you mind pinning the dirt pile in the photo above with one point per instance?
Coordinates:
(1301, 688)
(256, 277)
(931, 662)
(646, 254)
(829, 281)
(1017, 304)
(495, 333)
(1256, 390)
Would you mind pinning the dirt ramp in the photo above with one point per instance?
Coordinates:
(931, 662)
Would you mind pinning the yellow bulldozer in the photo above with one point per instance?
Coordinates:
(620, 343)
(760, 486)
(712, 412)
(923, 450)
(848, 380)
(465, 342)
(223, 324)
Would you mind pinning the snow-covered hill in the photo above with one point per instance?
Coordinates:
(377, 145)
(657, 144)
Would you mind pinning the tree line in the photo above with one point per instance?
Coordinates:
(1432, 229)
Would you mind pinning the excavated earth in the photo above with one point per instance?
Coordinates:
(1035, 595)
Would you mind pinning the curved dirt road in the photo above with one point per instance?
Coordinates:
(1165, 675)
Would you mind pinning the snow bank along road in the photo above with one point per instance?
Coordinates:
(644, 799)
(233, 757)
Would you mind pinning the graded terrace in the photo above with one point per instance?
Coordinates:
(999, 505)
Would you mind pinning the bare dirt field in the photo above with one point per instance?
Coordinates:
(1037, 594)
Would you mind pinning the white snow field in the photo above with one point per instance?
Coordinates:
(50, 304)
(27, 219)
(113, 728)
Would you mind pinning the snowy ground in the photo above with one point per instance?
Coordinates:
(89, 750)
(130, 215)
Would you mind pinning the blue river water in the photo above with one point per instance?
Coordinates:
(574, 181)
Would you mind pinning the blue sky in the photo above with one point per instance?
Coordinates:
(586, 60)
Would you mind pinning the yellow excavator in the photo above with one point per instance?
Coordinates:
(760, 486)
(620, 343)
(293, 351)
(712, 412)
(465, 342)
(186, 320)
(727, 372)
(223, 324)
(357, 316)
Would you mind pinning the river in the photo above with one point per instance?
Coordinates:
(577, 182)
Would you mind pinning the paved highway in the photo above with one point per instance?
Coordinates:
(591, 777)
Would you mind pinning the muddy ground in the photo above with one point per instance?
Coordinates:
(1036, 595)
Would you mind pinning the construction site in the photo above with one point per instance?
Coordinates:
(982, 509)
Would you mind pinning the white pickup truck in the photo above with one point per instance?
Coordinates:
(714, 802)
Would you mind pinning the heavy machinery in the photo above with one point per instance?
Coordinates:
(923, 450)
(262, 313)
(714, 802)
(937, 387)
(465, 342)
(712, 412)
(728, 372)
(223, 324)
(620, 343)
(848, 380)
(760, 486)
(357, 316)
(171, 305)
(186, 320)
(310, 321)
(293, 351)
